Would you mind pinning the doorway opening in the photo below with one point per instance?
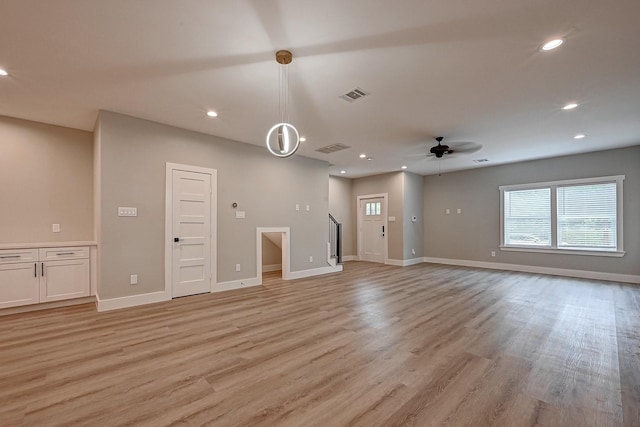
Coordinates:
(272, 252)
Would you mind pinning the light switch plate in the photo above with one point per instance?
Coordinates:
(240, 215)
(127, 211)
(392, 218)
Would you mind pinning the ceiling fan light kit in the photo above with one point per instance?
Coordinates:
(283, 139)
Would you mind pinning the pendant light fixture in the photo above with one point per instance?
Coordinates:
(283, 138)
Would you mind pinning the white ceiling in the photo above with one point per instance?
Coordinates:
(466, 70)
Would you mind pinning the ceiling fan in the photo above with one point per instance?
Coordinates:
(441, 150)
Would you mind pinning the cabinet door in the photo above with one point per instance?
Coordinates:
(18, 284)
(64, 279)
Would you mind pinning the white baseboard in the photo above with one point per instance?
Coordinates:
(46, 305)
(314, 272)
(581, 274)
(236, 284)
(349, 258)
(272, 267)
(404, 262)
(131, 301)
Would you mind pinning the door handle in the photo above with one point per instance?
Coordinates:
(176, 239)
(35, 269)
(383, 231)
(43, 269)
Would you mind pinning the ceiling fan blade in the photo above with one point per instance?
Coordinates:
(465, 147)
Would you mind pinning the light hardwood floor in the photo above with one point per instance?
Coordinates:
(375, 345)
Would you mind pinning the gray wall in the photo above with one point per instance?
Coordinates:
(391, 183)
(46, 177)
(132, 156)
(341, 207)
(474, 233)
(413, 206)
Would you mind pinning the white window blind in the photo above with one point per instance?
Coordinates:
(587, 216)
(527, 217)
(580, 216)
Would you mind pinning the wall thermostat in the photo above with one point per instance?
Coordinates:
(234, 205)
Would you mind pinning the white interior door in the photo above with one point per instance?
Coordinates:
(372, 230)
(191, 227)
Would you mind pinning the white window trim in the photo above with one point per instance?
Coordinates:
(553, 185)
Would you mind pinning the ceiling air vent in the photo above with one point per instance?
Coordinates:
(332, 148)
(353, 94)
(481, 160)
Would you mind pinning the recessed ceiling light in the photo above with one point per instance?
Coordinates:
(403, 167)
(570, 106)
(343, 172)
(303, 139)
(212, 114)
(3, 72)
(579, 136)
(552, 44)
(362, 156)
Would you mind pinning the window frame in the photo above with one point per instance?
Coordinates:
(553, 186)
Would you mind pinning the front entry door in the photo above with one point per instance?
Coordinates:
(191, 227)
(373, 234)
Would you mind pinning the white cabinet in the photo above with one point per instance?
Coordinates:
(64, 273)
(29, 276)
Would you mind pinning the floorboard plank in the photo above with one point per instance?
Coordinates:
(375, 345)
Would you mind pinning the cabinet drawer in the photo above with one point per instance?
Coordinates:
(11, 256)
(53, 254)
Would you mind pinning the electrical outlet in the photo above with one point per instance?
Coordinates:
(297, 207)
(493, 253)
(134, 279)
(459, 211)
(55, 228)
(237, 267)
(447, 211)
(310, 259)
(308, 208)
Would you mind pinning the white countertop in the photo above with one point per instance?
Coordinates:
(45, 245)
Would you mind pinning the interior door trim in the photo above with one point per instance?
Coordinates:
(168, 218)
